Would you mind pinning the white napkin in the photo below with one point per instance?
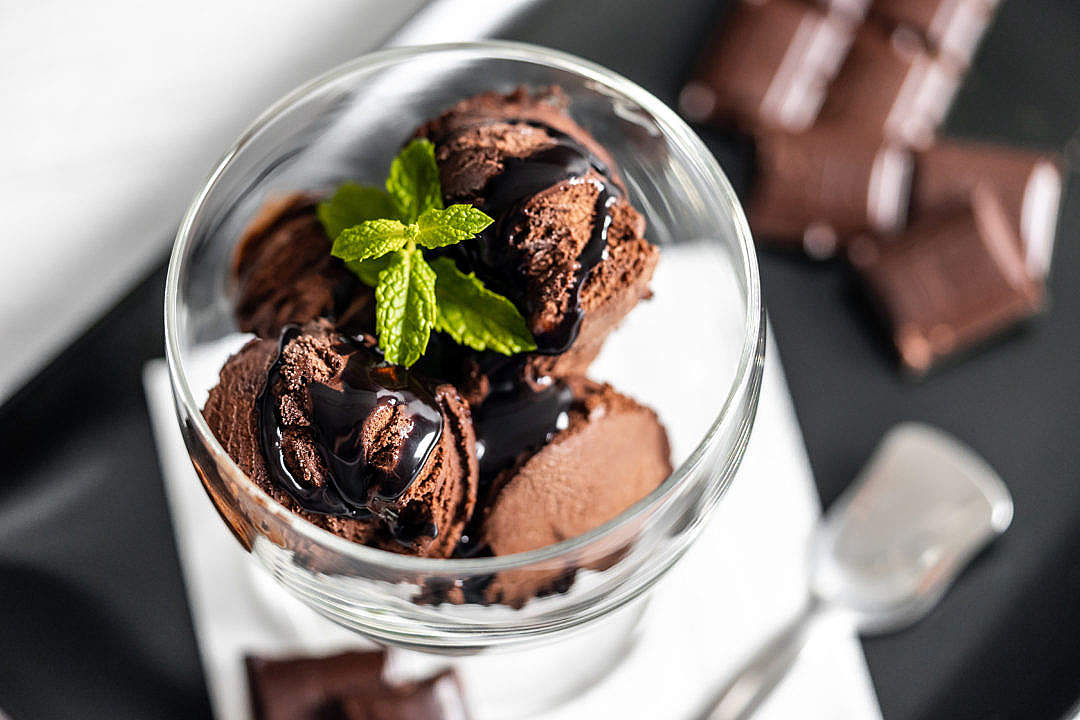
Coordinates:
(742, 580)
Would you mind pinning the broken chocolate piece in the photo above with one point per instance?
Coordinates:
(1027, 183)
(949, 282)
(437, 698)
(815, 189)
(890, 88)
(768, 66)
(347, 686)
(299, 688)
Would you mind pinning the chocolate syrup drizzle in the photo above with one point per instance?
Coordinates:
(354, 487)
(492, 256)
(512, 421)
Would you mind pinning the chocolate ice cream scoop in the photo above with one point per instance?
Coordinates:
(605, 451)
(366, 450)
(566, 246)
(283, 273)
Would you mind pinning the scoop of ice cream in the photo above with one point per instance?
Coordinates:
(283, 273)
(566, 245)
(608, 452)
(369, 451)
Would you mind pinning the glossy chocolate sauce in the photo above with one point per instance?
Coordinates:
(492, 256)
(512, 421)
(355, 487)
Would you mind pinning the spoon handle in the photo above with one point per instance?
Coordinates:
(742, 695)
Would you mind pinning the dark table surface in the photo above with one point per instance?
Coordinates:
(93, 618)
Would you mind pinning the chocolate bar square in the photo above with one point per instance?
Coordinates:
(1028, 184)
(892, 88)
(768, 65)
(949, 282)
(437, 698)
(817, 188)
(347, 686)
(298, 688)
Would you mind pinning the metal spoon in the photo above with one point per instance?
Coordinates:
(887, 550)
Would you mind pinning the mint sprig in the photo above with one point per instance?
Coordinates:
(413, 182)
(352, 204)
(381, 234)
(405, 307)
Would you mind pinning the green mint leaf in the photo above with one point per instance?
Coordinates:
(439, 228)
(414, 180)
(475, 316)
(405, 307)
(372, 238)
(353, 204)
(368, 270)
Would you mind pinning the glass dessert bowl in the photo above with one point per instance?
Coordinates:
(693, 353)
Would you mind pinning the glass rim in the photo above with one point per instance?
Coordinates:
(747, 374)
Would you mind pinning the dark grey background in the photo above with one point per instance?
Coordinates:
(93, 619)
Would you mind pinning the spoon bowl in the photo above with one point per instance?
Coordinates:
(886, 552)
(897, 538)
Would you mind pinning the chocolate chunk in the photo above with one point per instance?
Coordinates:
(768, 66)
(953, 28)
(815, 189)
(949, 282)
(892, 88)
(371, 452)
(347, 686)
(437, 698)
(300, 688)
(1028, 184)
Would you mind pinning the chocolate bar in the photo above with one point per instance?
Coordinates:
(950, 27)
(297, 688)
(892, 88)
(437, 698)
(768, 66)
(816, 188)
(347, 686)
(950, 281)
(1028, 184)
